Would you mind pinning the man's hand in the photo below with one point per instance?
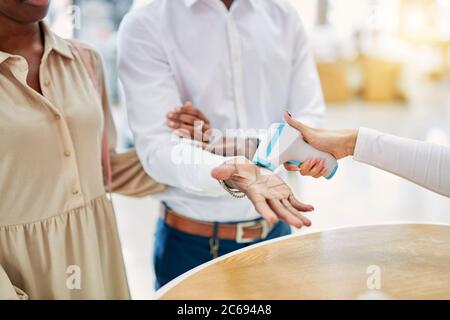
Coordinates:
(189, 122)
(340, 143)
(270, 195)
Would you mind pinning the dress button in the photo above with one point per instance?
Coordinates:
(46, 83)
(75, 192)
(57, 117)
(67, 153)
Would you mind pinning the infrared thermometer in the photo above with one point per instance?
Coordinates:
(285, 144)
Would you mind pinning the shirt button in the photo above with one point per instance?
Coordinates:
(67, 153)
(57, 117)
(46, 83)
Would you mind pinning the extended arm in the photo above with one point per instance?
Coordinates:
(425, 164)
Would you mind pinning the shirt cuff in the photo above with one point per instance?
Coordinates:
(365, 144)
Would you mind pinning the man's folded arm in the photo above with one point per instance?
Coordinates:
(151, 92)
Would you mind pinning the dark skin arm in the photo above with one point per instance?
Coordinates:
(189, 122)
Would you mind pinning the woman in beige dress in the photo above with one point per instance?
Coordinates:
(58, 235)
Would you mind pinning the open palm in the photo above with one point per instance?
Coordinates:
(270, 195)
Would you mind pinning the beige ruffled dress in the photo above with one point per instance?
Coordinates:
(58, 235)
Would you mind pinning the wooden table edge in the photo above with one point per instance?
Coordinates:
(172, 284)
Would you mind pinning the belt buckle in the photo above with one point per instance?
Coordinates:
(241, 226)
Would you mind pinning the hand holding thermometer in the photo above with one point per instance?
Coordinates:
(285, 144)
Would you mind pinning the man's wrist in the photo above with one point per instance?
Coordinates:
(240, 163)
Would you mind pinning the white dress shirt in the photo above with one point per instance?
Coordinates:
(425, 164)
(242, 68)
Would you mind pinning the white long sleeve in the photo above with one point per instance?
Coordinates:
(425, 164)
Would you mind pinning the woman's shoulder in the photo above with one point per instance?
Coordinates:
(78, 45)
(79, 48)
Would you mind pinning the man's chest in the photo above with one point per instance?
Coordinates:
(225, 65)
(222, 45)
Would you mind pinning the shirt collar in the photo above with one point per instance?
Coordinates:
(52, 42)
(190, 3)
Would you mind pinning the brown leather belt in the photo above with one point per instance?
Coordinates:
(243, 232)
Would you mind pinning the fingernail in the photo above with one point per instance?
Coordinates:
(171, 114)
(289, 114)
(178, 109)
(171, 123)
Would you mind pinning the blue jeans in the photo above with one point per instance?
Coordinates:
(176, 252)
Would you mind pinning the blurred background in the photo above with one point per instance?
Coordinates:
(383, 64)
